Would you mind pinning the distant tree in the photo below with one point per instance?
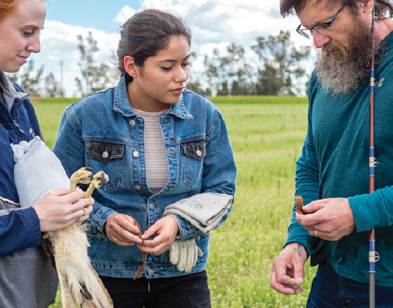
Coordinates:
(196, 86)
(212, 71)
(195, 80)
(28, 79)
(237, 69)
(94, 77)
(281, 64)
(229, 73)
(52, 86)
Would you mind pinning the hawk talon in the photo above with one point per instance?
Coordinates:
(99, 179)
(82, 176)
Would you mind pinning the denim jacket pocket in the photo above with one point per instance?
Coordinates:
(193, 153)
(109, 157)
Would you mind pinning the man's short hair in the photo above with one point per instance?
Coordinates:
(383, 8)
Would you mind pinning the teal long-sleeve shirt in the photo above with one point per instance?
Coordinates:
(335, 163)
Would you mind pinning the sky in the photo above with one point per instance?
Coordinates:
(213, 24)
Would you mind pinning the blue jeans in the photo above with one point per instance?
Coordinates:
(189, 291)
(330, 290)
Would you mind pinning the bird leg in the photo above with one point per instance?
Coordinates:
(83, 176)
(99, 179)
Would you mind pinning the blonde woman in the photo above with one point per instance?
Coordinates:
(27, 279)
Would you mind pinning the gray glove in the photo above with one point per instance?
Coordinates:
(204, 210)
(184, 254)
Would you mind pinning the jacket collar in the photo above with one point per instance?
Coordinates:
(122, 104)
(9, 92)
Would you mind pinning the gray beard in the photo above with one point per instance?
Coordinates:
(342, 73)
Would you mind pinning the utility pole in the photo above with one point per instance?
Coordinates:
(61, 77)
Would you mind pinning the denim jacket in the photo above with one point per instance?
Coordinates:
(103, 132)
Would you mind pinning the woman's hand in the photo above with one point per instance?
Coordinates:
(58, 209)
(119, 229)
(166, 230)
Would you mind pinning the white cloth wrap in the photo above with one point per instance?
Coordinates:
(37, 171)
(204, 211)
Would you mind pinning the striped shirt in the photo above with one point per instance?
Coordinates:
(156, 162)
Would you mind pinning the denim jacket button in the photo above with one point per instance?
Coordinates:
(135, 154)
(105, 154)
(132, 123)
(151, 272)
(137, 187)
(151, 206)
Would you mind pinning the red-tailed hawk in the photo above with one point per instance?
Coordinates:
(79, 283)
(38, 171)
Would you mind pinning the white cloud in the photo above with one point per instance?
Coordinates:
(125, 13)
(59, 43)
(222, 22)
(214, 24)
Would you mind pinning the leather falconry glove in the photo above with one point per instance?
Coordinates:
(184, 254)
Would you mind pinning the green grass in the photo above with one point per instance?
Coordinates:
(266, 138)
(259, 100)
(49, 116)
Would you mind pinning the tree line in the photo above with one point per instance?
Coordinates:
(273, 65)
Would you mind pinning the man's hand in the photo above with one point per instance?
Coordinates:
(330, 219)
(288, 270)
(119, 229)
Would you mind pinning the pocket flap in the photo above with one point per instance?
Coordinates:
(194, 149)
(105, 151)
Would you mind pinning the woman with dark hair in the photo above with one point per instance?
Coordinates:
(170, 164)
(27, 278)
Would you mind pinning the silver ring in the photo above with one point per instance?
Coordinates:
(316, 233)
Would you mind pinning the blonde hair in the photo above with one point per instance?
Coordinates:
(6, 7)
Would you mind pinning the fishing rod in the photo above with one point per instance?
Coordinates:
(373, 255)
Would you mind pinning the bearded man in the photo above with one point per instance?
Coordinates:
(332, 171)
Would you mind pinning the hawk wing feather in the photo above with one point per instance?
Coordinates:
(79, 282)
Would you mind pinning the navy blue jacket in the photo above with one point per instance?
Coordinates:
(19, 228)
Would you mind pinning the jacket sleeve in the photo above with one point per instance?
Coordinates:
(307, 177)
(307, 186)
(219, 171)
(72, 158)
(373, 210)
(19, 229)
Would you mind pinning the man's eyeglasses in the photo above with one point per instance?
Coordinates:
(321, 28)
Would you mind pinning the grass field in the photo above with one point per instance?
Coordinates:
(267, 139)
